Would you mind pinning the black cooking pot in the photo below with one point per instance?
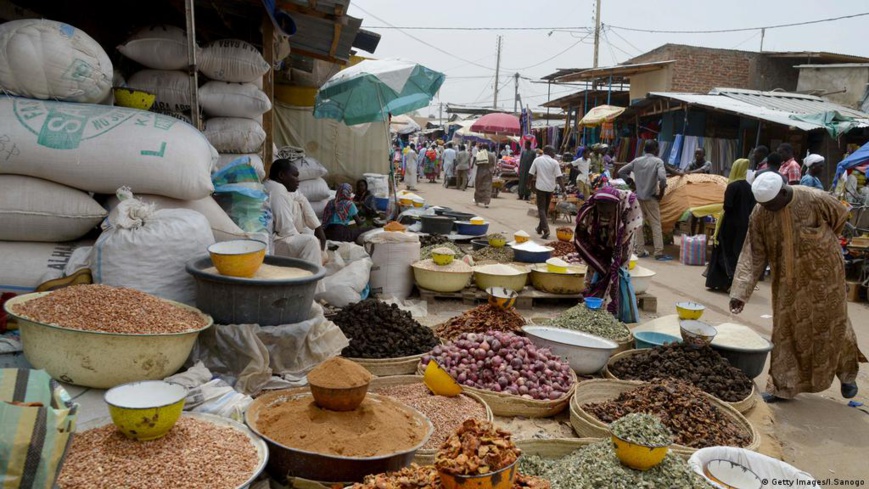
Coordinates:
(458, 216)
(437, 224)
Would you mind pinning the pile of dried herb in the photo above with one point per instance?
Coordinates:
(490, 253)
(703, 367)
(593, 321)
(476, 448)
(433, 239)
(597, 466)
(642, 429)
(425, 252)
(694, 420)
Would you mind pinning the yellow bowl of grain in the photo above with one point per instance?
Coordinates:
(238, 257)
(145, 410)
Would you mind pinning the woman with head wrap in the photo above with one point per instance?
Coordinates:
(604, 236)
(732, 227)
(338, 214)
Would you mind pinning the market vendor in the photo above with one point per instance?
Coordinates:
(341, 214)
(364, 199)
(700, 163)
(796, 230)
(298, 232)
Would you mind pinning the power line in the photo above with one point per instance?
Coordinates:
(744, 29)
(425, 28)
(638, 50)
(557, 55)
(423, 42)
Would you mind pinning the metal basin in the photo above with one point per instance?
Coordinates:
(586, 353)
(102, 360)
(233, 300)
(558, 283)
(286, 462)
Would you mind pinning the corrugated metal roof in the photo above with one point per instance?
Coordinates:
(774, 107)
(796, 103)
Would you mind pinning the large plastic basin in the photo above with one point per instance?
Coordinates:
(586, 353)
(232, 300)
(101, 360)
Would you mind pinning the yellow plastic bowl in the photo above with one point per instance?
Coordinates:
(477, 220)
(521, 239)
(497, 241)
(442, 259)
(134, 99)
(633, 262)
(564, 235)
(439, 381)
(405, 202)
(418, 203)
(502, 297)
(639, 457)
(145, 410)
(689, 310)
(500, 479)
(556, 265)
(238, 258)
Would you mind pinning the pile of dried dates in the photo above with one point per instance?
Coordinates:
(481, 319)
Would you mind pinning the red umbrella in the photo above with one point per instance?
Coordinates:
(498, 123)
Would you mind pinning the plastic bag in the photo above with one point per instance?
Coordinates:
(248, 355)
(347, 274)
(247, 207)
(693, 250)
(33, 439)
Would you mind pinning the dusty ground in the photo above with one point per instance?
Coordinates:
(818, 433)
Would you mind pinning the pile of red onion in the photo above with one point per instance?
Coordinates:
(504, 362)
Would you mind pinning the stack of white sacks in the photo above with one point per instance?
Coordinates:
(58, 150)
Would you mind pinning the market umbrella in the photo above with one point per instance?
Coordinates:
(466, 134)
(498, 123)
(856, 158)
(601, 114)
(373, 89)
(403, 124)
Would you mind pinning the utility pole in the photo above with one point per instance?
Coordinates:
(497, 71)
(441, 113)
(596, 32)
(762, 34)
(516, 94)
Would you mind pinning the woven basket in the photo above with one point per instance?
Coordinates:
(555, 447)
(509, 405)
(624, 345)
(423, 456)
(385, 367)
(742, 406)
(601, 390)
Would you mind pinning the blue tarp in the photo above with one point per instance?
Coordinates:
(856, 158)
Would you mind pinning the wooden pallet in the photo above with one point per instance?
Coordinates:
(473, 295)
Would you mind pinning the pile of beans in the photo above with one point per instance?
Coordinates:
(561, 248)
(380, 330)
(694, 420)
(702, 367)
(504, 362)
(480, 319)
(110, 310)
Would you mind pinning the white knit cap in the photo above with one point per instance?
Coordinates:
(812, 159)
(767, 186)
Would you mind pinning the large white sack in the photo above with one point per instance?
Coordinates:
(159, 47)
(23, 266)
(222, 226)
(309, 167)
(171, 87)
(254, 160)
(32, 209)
(315, 190)
(98, 149)
(392, 274)
(232, 60)
(319, 207)
(234, 134)
(45, 59)
(147, 249)
(224, 99)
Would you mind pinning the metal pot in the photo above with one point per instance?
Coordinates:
(437, 224)
(557, 283)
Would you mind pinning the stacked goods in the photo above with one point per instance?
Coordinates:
(76, 147)
(597, 465)
(161, 47)
(311, 173)
(481, 319)
(702, 367)
(172, 89)
(45, 59)
(693, 419)
(213, 456)
(445, 413)
(25, 265)
(598, 322)
(379, 330)
(504, 362)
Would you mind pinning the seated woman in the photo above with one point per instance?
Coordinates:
(364, 200)
(338, 214)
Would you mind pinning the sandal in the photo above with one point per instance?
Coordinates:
(664, 258)
(771, 398)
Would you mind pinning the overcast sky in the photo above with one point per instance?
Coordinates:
(468, 57)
